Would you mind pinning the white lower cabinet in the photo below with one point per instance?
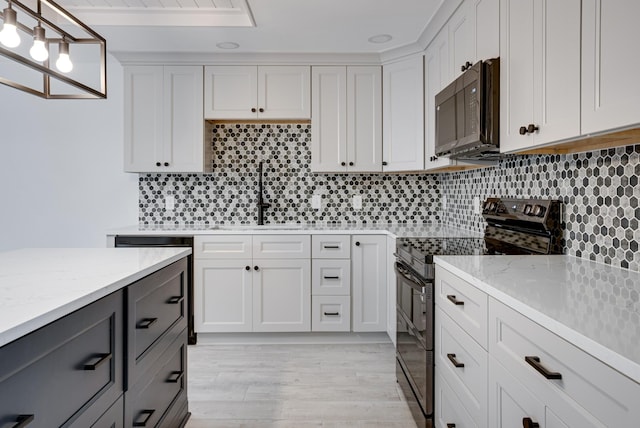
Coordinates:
(331, 313)
(251, 293)
(369, 282)
(282, 295)
(449, 411)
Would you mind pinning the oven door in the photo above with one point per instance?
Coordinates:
(415, 303)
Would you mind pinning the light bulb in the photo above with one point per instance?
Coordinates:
(63, 63)
(39, 50)
(9, 35)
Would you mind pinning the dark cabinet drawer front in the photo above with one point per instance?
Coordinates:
(150, 399)
(61, 370)
(158, 302)
(112, 418)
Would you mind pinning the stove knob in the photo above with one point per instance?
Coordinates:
(527, 209)
(538, 210)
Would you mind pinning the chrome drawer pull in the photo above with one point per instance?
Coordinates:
(332, 314)
(535, 363)
(528, 423)
(102, 358)
(175, 300)
(331, 247)
(331, 277)
(146, 415)
(452, 299)
(146, 323)
(456, 363)
(23, 421)
(175, 377)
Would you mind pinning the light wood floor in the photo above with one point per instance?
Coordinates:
(295, 385)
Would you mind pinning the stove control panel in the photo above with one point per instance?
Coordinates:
(523, 210)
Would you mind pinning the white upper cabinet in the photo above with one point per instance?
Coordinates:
(539, 72)
(347, 119)
(164, 131)
(462, 44)
(610, 84)
(486, 14)
(262, 92)
(403, 115)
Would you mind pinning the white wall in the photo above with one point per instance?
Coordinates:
(61, 178)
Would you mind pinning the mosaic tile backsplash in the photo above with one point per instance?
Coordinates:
(599, 190)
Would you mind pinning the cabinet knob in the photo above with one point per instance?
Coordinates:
(261, 110)
(467, 65)
(256, 268)
(523, 130)
(528, 423)
(350, 163)
(343, 163)
(253, 110)
(384, 163)
(357, 243)
(451, 425)
(532, 128)
(166, 164)
(158, 164)
(247, 268)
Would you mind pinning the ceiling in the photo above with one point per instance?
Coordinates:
(256, 26)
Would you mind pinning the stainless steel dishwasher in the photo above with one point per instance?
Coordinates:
(168, 241)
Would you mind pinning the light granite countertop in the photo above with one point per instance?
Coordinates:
(38, 286)
(399, 230)
(594, 306)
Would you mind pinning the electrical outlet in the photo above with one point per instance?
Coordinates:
(357, 202)
(444, 203)
(169, 203)
(316, 202)
(476, 205)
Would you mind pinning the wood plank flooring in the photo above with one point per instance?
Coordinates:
(295, 385)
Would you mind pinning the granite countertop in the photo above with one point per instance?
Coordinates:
(399, 230)
(38, 286)
(594, 306)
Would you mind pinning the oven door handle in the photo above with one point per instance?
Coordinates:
(413, 282)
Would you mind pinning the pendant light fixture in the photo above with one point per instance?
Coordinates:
(48, 33)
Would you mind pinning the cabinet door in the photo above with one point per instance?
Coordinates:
(610, 84)
(143, 118)
(487, 27)
(364, 119)
(230, 92)
(183, 125)
(462, 45)
(282, 295)
(329, 121)
(284, 92)
(369, 282)
(223, 295)
(540, 72)
(403, 115)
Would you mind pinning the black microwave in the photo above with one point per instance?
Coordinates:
(467, 115)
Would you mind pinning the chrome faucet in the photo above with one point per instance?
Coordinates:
(261, 203)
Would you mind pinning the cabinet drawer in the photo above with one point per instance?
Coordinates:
(156, 308)
(469, 378)
(330, 313)
(112, 418)
(222, 247)
(331, 246)
(585, 381)
(448, 408)
(281, 246)
(66, 369)
(148, 401)
(330, 277)
(464, 303)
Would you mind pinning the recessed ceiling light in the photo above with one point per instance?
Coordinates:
(380, 38)
(228, 45)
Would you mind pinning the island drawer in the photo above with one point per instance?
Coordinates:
(156, 314)
(150, 399)
(331, 246)
(464, 303)
(330, 277)
(449, 412)
(68, 370)
(559, 371)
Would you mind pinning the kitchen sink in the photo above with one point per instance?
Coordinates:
(260, 227)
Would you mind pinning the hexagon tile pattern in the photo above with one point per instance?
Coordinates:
(599, 190)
